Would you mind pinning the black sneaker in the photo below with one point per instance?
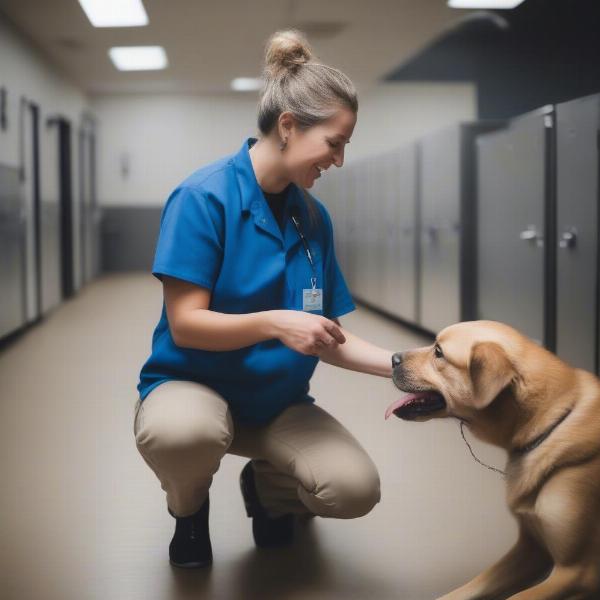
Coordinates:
(268, 532)
(190, 547)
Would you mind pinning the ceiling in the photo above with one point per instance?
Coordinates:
(210, 43)
(543, 52)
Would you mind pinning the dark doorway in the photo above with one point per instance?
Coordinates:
(66, 204)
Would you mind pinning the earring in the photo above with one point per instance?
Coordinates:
(283, 145)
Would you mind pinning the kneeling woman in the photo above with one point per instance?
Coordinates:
(252, 296)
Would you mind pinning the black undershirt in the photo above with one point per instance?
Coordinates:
(276, 203)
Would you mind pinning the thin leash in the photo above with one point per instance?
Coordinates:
(503, 473)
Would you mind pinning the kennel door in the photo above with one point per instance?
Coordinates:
(12, 252)
(398, 233)
(577, 125)
(512, 195)
(440, 186)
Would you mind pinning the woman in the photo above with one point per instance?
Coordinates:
(252, 296)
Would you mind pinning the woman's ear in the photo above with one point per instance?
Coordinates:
(490, 370)
(285, 125)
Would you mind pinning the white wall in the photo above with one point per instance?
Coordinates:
(24, 72)
(164, 138)
(394, 114)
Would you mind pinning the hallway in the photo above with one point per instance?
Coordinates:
(82, 516)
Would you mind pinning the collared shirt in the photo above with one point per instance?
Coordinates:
(218, 232)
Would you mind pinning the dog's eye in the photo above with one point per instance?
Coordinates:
(438, 352)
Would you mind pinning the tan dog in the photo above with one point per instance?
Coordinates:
(515, 394)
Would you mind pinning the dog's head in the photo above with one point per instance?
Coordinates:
(462, 372)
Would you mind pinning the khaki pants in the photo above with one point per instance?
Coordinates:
(304, 460)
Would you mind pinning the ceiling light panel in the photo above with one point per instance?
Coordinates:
(138, 58)
(485, 4)
(246, 84)
(115, 13)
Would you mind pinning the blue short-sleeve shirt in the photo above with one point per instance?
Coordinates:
(218, 232)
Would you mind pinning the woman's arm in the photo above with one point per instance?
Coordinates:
(357, 354)
(194, 326)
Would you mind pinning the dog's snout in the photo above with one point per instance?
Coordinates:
(396, 359)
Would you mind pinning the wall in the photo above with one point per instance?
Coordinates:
(24, 72)
(163, 138)
(391, 115)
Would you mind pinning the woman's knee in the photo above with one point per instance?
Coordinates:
(184, 436)
(348, 493)
(180, 418)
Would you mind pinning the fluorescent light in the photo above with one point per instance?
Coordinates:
(489, 4)
(138, 58)
(246, 84)
(115, 13)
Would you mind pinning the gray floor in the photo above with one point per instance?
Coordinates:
(83, 517)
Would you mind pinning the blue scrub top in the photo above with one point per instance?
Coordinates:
(218, 232)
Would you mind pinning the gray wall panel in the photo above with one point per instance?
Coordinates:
(399, 233)
(374, 223)
(129, 236)
(359, 237)
(577, 214)
(512, 206)
(348, 191)
(50, 243)
(12, 252)
(28, 193)
(440, 189)
(50, 250)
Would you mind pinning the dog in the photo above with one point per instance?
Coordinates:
(513, 393)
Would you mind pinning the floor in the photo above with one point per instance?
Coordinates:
(83, 517)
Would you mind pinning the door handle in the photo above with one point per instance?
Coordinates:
(568, 239)
(432, 233)
(531, 234)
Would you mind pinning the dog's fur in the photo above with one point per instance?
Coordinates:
(511, 392)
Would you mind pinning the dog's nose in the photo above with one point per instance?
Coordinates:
(396, 359)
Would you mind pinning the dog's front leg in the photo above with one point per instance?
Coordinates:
(526, 562)
(574, 582)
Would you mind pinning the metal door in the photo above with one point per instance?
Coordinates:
(348, 191)
(513, 195)
(30, 193)
(360, 184)
(49, 231)
(86, 205)
(399, 234)
(577, 125)
(373, 207)
(339, 218)
(12, 252)
(440, 187)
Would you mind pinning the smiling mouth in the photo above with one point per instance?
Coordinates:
(416, 405)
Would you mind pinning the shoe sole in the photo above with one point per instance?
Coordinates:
(191, 565)
(249, 495)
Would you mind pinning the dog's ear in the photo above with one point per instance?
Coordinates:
(490, 372)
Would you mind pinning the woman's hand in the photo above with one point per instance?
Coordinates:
(304, 332)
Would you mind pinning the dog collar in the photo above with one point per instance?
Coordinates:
(521, 450)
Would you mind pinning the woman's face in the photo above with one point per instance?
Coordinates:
(311, 151)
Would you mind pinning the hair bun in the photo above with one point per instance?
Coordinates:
(286, 51)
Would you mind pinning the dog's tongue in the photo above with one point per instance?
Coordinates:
(404, 400)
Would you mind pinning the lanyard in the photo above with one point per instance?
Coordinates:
(313, 280)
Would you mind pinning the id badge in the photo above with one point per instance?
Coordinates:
(312, 299)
